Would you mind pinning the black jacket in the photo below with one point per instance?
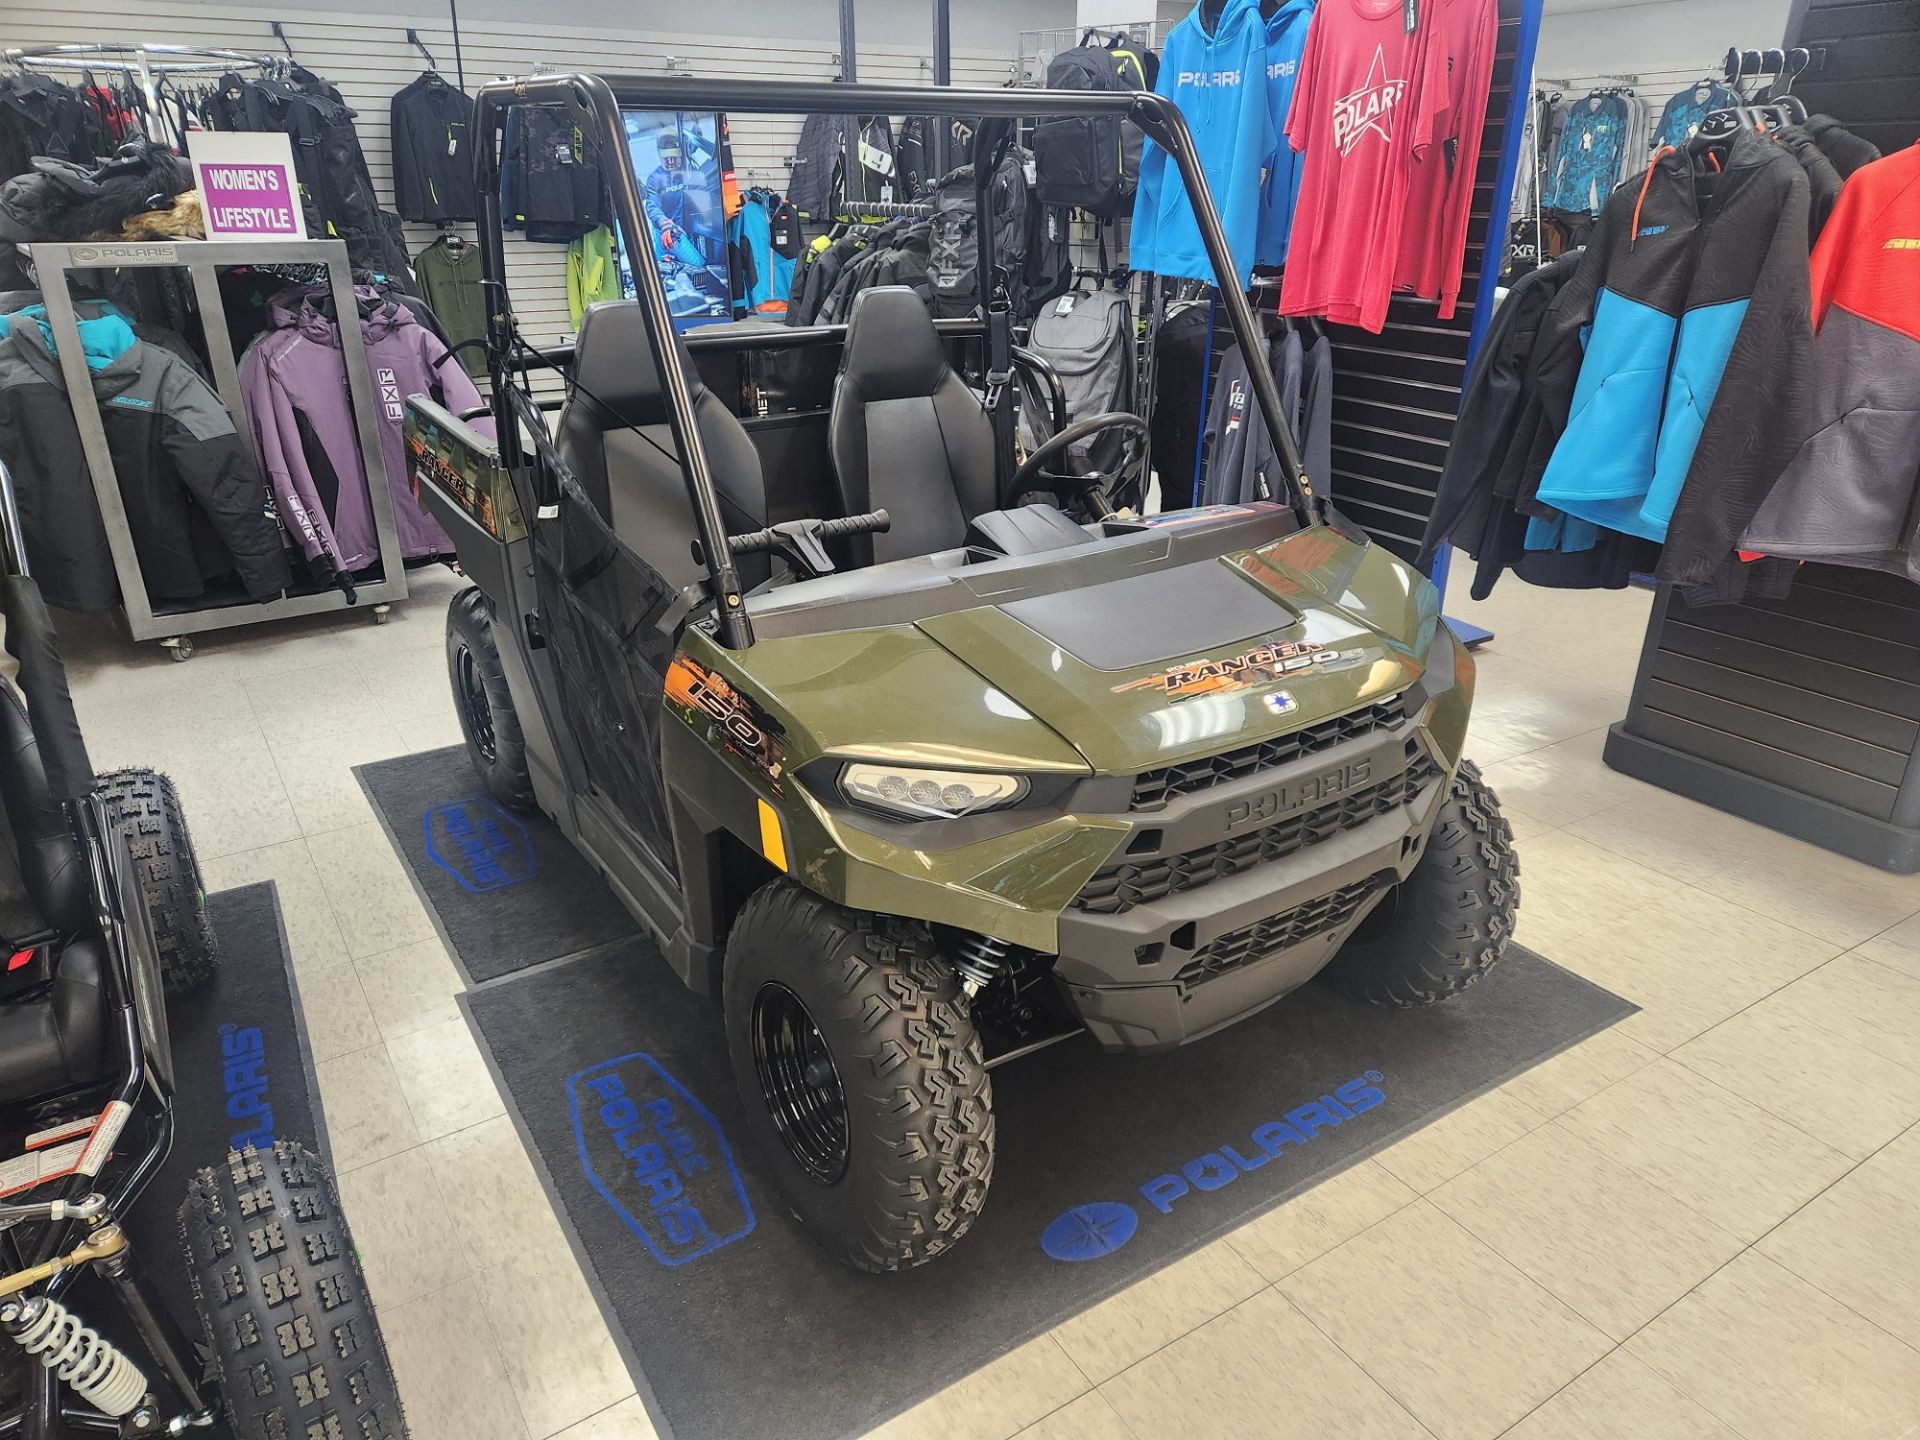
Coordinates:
(552, 187)
(195, 502)
(432, 155)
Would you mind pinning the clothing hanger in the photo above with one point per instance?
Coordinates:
(433, 66)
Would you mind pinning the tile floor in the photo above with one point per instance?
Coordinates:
(1699, 1225)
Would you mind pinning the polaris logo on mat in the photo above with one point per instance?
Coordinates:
(479, 844)
(657, 1157)
(244, 1071)
(1092, 1231)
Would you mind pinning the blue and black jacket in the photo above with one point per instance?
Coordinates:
(1693, 388)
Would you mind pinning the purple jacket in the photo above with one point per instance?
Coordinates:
(295, 386)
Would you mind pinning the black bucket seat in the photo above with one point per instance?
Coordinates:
(907, 434)
(52, 1033)
(615, 436)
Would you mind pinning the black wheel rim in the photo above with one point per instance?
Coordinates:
(800, 1084)
(473, 703)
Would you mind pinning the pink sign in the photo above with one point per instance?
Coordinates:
(247, 186)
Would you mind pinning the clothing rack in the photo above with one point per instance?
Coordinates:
(54, 265)
(147, 64)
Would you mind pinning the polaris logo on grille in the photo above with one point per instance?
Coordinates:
(1312, 790)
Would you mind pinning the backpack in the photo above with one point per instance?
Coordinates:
(1091, 162)
(1088, 339)
(1048, 270)
(954, 262)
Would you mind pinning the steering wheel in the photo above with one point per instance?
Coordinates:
(1075, 486)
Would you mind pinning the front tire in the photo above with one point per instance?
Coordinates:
(1448, 922)
(279, 1289)
(146, 808)
(491, 725)
(862, 1076)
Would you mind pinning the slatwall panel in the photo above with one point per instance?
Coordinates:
(1395, 394)
(1866, 66)
(368, 57)
(1803, 714)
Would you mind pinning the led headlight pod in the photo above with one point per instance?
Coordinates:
(918, 794)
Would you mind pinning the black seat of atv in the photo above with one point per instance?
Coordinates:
(907, 435)
(615, 435)
(52, 1036)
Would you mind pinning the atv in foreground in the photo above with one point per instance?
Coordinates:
(105, 921)
(914, 779)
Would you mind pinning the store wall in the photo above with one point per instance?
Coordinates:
(368, 57)
(1866, 66)
(977, 24)
(1580, 37)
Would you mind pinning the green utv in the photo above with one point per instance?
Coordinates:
(914, 778)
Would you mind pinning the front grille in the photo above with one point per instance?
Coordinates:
(1118, 888)
(1276, 932)
(1155, 788)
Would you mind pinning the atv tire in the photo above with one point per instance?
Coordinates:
(904, 1172)
(1448, 922)
(495, 743)
(146, 808)
(278, 1286)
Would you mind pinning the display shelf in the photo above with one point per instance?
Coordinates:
(1801, 714)
(203, 260)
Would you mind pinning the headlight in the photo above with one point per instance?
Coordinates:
(920, 794)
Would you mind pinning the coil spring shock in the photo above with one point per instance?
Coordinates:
(90, 1364)
(978, 959)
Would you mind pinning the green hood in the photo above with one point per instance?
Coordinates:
(1081, 681)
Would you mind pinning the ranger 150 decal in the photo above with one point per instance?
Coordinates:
(1088, 1232)
(1259, 666)
(736, 721)
(657, 1157)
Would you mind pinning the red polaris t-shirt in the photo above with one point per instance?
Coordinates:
(1363, 108)
(1433, 236)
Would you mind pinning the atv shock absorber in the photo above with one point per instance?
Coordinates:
(89, 1363)
(978, 959)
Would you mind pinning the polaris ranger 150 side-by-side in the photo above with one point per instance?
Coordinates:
(910, 776)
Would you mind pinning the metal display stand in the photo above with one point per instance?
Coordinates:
(1801, 714)
(202, 259)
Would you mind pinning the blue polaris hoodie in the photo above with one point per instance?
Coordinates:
(1286, 40)
(1218, 79)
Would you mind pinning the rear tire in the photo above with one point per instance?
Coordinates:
(146, 808)
(278, 1286)
(495, 743)
(1448, 922)
(904, 1172)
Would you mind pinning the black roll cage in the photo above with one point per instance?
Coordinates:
(594, 103)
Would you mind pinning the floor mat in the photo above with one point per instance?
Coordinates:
(242, 1069)
(1108, 1168)
(509, 889)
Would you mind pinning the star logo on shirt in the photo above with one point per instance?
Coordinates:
(1368, 109)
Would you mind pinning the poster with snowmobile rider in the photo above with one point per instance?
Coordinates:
(677, 157)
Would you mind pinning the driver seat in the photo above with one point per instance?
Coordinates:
(906, 433)
(615, 436)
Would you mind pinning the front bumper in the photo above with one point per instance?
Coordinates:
(1226, 900)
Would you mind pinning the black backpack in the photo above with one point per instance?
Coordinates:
(955, 260)
(1091, 162)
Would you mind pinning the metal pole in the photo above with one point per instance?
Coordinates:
(1163, 123)
(943, 75)
(459, 62)
(850, 74)
(589, 98)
